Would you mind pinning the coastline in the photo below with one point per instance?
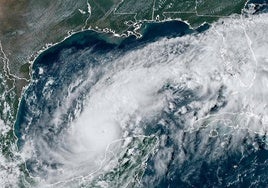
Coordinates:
(178, 28)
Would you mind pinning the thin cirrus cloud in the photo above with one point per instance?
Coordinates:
(137, 87)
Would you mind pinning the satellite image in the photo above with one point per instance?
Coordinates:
(133, 93)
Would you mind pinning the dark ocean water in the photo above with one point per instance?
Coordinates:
(261, 5)
(64, 63)
(100, 44)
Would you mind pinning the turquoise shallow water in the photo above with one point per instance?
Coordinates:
(101, 43)
(58, 67)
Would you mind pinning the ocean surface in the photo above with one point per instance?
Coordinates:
(146, 96)
(100, 44)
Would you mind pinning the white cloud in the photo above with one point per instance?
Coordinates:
(131, 92)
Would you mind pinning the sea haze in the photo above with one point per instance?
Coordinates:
(175, 108)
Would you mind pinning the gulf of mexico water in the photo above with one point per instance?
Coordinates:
(175, 108)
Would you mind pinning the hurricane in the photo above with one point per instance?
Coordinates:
(176, 110)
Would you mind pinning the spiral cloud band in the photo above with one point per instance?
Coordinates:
(160, 106)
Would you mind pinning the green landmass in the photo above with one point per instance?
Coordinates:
(26, 26)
